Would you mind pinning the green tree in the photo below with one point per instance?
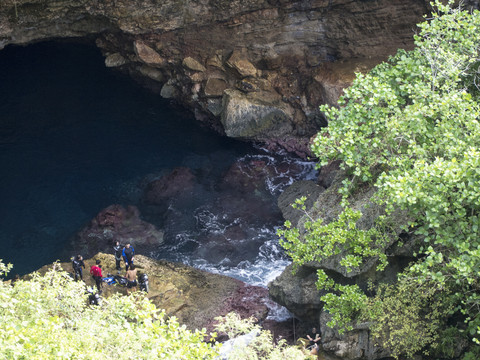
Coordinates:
(410, 128)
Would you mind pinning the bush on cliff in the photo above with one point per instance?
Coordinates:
(251, 342)
(411, 129)
(47, 317)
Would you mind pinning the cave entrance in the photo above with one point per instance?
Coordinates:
(76, 137)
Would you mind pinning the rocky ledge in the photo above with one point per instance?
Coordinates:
(254, 70)
(193, 296)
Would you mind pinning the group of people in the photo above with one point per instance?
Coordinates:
(125, 253)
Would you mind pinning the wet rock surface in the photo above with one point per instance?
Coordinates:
(306, 188)
(180, 180)
(223, 219)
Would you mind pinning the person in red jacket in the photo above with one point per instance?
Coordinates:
(96, 271)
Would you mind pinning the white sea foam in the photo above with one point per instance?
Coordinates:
(279, 171)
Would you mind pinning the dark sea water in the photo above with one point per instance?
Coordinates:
(76, 137)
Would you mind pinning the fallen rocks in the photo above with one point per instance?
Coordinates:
(192, 64)
(147, 54)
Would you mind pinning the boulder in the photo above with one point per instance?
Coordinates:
(215, 60)
(168, 91)
(215, 106)
(197, 77)
(298, 293)
(239, 62)
(253, 116)
(114, 60)
(116, 223)
(151, 72)
(192, 64)
(180, 180)
(215, 87)
(148, 55)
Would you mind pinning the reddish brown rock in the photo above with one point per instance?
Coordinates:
(116, 223)
(180, 180)
(248, 175)
(248, 301)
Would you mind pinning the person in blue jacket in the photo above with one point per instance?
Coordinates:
(128, 253)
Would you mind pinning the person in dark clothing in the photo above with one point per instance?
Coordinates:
(314, 337)
(77, 265)
(117, 250)
(96, 272)
(128, 253)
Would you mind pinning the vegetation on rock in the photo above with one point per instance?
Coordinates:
(49, 317)
(254, 343)
(411, 129)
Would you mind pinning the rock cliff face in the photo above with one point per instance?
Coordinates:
(297, 291)
(254, 69)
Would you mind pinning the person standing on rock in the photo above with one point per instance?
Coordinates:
(131, 276)
(117, 250)
(96, 272)
(128, 253)
(77, 265)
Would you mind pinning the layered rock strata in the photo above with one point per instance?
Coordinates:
(255, 70)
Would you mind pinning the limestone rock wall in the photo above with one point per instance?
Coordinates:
(254, 69)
